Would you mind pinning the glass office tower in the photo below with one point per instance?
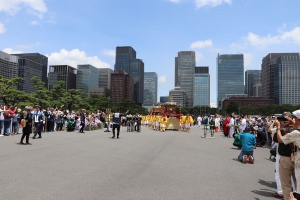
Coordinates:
(87, 77)
(184, 74)
(202, 87)
(150, 88)
(230, 75)
(286, 80)
(252, 77)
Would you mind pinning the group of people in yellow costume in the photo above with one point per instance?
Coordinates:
(159, 122)
(186, 122)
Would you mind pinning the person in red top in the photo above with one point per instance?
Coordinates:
(7, 119)
(225, 126)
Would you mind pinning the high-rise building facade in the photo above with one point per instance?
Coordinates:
(230, 75)
(87, 77)
(179, 96)
(252, 77)
(202, 87)
(163, 99)
(267, 73)
(150, 88)
(126, 61)
(8, 65)
(121, 86)
(286, 80)
(104, 77)
(185, 64)
(124, 55)
(40, 59)
(28, 69)
(64, 73)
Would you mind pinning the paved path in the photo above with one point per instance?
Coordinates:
(147, 165)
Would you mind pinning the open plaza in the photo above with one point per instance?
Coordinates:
(140, 165)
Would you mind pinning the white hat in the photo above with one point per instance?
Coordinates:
(296, 113)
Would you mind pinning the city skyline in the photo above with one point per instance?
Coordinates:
(178, 25)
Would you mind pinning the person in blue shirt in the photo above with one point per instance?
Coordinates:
(248, 144)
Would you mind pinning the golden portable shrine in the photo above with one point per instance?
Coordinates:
(172, 111)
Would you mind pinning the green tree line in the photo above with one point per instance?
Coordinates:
(72, 99)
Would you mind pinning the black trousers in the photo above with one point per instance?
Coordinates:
(82, 127)
(27, 137)
(116, 126)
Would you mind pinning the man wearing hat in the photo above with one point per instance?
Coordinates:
(287, 138)
(248, 144)
(291, 138)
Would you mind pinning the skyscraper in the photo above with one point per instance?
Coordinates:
(104, 77)
(126, 61)
(286, 80)
(87, 77)
(64, 73)
(150, 88)
(8, 65)
(137, 71)
(267, 73)
(179, 96)
(124, 55)
(121, 86)
(185, 64)
(252, 77)
(28, 69)
(40, 59)
(202, 87)
(230, 75)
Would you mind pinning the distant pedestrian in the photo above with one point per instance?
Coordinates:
(27, 129)
(199, 120)
(116, 122)
(82, 120)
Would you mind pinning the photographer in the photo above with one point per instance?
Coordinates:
(286, 137)
(7, 118)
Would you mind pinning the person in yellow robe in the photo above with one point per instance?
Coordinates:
(189, 122)
(182, 122)
(163, 123)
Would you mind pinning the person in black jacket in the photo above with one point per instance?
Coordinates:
(82, 119)
(27, 129)
(116, 122)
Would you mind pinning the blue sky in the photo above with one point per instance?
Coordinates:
(88, 31)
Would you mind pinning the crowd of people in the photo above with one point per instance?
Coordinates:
(279, 132)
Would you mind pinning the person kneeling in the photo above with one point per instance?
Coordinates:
(71, 125)
(248, 144)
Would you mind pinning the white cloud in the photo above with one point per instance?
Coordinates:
(212, 3)
(12, 6)
(248, 57)
(75, 57)
(10, 51)
(213, 105)
(162, 79)
(2, 28)
(34, 22)
(109, 52)
(201, 44)
(284, 37)
(199, 56)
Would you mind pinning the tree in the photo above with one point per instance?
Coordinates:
(58, 92)
(232, 107)
(8, 91)
(72, 99)
(248, 110)
(41, 96)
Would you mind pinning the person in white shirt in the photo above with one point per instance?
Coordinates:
(243, 124)
(231, 126)
(199, 120)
